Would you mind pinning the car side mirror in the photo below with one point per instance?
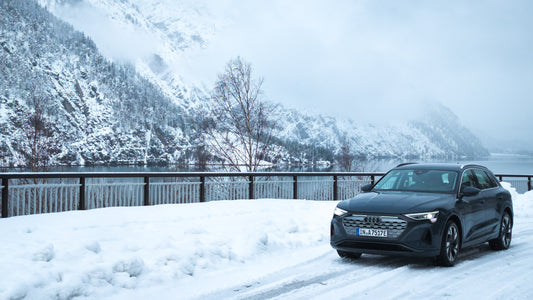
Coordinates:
(470, 191)
(366, 188)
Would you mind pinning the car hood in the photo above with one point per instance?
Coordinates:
(396, 203)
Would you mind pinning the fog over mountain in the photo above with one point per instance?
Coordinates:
(128, 97)
(375, 60)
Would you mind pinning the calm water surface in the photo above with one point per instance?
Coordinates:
(498, 163)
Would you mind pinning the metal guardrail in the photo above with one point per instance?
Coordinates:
(33, 193)
(521, 186)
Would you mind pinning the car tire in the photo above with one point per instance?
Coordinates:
(352, 255)
(450, 246)
(503, 241)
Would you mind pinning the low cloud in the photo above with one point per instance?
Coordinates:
(117, 40)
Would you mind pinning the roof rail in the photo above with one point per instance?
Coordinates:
(405, 164)
(472, 165)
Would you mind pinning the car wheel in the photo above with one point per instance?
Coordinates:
(450, 245)
(503, 241)
(353, 255)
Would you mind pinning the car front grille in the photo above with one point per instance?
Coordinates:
(394, 226)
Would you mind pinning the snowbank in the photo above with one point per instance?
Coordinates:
(522, 203)
(102, 252)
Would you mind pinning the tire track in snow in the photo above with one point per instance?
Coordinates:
(314, 272)
(479, 272)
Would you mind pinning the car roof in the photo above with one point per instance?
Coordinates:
(436, 166)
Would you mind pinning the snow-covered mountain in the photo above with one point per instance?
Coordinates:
(96, 111)
(438, 134)
(124, 98)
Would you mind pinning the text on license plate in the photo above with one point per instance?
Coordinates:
(372, 232)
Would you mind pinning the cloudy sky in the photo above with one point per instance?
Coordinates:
(371, 60)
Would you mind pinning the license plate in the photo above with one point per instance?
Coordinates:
(372, 232)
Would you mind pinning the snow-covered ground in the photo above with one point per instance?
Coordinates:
(237, 249)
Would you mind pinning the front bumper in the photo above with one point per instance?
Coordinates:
(418, 238)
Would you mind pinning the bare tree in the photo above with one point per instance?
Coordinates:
(350, 162)
(345, 157)
(38, 146)
(239, 127)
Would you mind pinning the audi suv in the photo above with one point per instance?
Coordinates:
(426, 210)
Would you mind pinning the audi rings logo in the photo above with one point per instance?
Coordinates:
(373, 219)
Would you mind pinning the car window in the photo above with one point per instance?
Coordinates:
(483, 179)
(418, 180)
(468, 180)
(493, 179)
(389, 181)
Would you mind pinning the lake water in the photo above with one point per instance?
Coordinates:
(498, 163)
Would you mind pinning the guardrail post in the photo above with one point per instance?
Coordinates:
(5, 195)
(202, 188)
(372, 179)
(295, 187)
(81, 204)
(529, 183)
(501, 178)
(251, 187)
(146, 191)
(335, 188)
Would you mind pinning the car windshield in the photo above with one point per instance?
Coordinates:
(418, 181)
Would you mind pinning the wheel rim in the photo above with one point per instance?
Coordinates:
(506, 230)
(452, 242)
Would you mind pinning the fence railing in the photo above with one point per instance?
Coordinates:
(34, 193)
(522, 183)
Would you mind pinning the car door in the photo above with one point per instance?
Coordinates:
(472, 208)
(489, 192)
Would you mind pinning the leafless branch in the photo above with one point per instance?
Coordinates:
(240, 126)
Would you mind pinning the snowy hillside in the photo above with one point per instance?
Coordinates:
(235, 250)
(126, 97)
(439, 134)
(94, 110)
(155, 36)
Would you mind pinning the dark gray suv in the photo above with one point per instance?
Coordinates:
(429, 210)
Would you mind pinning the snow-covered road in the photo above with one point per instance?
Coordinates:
(479, 274)
(237, 250)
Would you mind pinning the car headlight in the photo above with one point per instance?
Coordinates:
(430, 216)
(339, 211)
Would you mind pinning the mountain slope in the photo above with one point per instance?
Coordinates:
(100, 112)
(103, 110)
(439, 134)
